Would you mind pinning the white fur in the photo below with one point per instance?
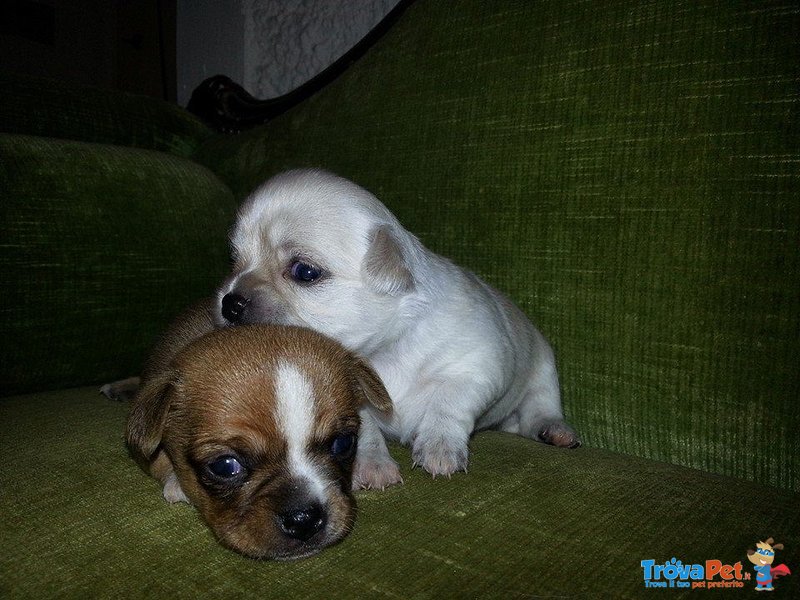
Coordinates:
(296, 413)
(454, 354)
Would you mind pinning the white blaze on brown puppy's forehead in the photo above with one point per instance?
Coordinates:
(296, 413)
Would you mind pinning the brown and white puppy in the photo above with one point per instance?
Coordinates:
(257, 427)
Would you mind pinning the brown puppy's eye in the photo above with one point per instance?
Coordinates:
(225, 467)
(343, 446)
(222, 475)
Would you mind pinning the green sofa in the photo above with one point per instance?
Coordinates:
(627, 171)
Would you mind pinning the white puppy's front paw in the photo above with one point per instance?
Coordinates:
(172, 490)
(372, 474)
(440, 456)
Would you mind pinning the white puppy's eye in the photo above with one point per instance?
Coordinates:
(303, 272)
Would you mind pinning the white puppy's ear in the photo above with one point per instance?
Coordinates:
(384, 267)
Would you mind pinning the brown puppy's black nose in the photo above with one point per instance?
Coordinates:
(233, 306)
(302, 524)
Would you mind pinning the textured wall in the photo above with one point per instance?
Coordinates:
(269, 46)
(287, 42)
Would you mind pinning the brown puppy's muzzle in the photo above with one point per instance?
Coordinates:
(303, 522)
(283, 523)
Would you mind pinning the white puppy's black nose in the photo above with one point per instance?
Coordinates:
(233, 306)
(302, 524)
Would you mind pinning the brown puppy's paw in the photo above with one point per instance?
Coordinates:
(173, 492)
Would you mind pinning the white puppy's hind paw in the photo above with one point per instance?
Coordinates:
(559, 434)
(375, 474)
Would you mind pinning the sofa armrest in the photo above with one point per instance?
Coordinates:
(101, 246)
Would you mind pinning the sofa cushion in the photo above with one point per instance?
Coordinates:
(102, 246)
(528, 520)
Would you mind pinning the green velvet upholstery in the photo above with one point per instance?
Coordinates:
(626, 171)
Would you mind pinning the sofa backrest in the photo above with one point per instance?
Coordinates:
(69, 111)
(626, 171)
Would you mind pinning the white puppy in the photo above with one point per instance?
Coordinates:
(455, 355)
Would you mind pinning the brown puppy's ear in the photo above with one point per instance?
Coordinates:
(149, 415)
(384, 267)
(777, 546)
(370, 387)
